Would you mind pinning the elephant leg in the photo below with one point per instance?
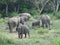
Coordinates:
(18, 35)
(10, 28)
(25, 35)
(28, 34)
(21, 36)
(49, 25)
(39, 25)
(32, 25)
(42, 24)
(46, 25)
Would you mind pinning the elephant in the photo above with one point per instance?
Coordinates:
(26, 16)
(36, 23)
(22, 29)
(45, 19)
(13, 22)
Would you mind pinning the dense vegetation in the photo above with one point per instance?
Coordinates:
(35, 7)
(38, 36)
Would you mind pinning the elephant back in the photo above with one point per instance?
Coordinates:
(25, 14)
(45, 17)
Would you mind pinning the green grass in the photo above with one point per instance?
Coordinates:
(5, 39)
(38, 36)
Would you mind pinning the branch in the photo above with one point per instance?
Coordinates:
(44, 6)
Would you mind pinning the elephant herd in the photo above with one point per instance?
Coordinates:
(22, 28)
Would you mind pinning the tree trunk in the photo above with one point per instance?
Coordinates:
(43, 6)
(18, 9)
(6, 9)
(15, 9)
(57, 6)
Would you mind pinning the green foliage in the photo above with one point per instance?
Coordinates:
(55, 16)
(13, 14)
(4, 39)
(57, 42)
(38, 36)
(24, 9)
(34, 12)
(0, 15)
(4, 20)
(58, 15)
(56, 24)
(41, 31)
(48, 8)
(52, 16)
(25, 6)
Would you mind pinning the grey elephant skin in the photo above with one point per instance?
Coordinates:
(23, 29)
(25, 16)
(45, 19)
(13, 22)
(36, 23)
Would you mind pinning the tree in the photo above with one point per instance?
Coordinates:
(37, 3)
(6, 2)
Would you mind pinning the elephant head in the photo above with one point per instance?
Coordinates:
(14, 22)
(26, 16)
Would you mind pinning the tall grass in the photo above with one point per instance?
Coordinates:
(5, 39)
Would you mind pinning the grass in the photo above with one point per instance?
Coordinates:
(5, 39)
(38, 36)
(57, 42)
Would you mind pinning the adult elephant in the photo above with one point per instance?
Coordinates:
(45, 21)
(13, 22)
(26, 16)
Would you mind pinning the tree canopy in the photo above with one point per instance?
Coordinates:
(7, 7)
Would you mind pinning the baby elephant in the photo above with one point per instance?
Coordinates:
(22, 29)
(36, 23)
